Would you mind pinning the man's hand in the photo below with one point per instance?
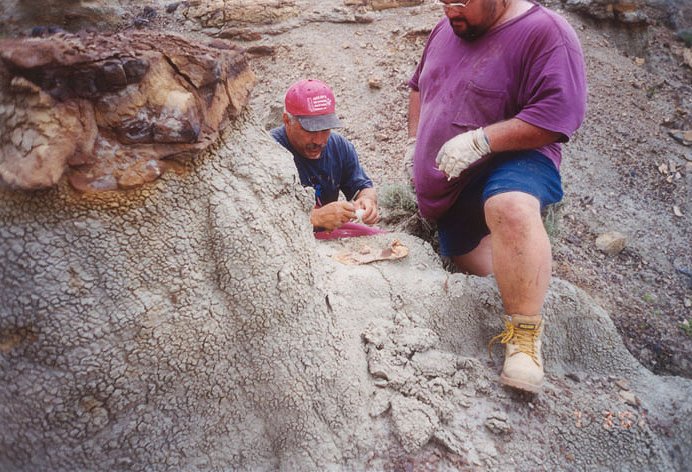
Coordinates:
(461, 151)
(369, 207)
(333, 215)
(367, 201)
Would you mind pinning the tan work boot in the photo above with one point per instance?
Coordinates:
(523, 368)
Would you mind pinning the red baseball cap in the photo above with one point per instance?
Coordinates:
(312, 102)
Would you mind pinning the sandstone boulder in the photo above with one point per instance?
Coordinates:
(109, 109)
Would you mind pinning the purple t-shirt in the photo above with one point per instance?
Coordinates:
(530, 67)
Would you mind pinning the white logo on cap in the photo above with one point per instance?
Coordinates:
(319, 103)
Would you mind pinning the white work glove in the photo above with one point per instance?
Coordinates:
(461, 151)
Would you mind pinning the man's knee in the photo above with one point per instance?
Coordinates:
(513, 211)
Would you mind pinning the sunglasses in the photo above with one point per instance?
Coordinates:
(449, 6)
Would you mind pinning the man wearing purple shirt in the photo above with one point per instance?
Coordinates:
(500, 85)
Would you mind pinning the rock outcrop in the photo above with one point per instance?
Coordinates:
(672, 13)
(71, 15)
(111, 108)
(190, 323)
(218, 13)
(624, 11)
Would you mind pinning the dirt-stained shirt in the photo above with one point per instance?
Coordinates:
(336, 169)
(530, 68)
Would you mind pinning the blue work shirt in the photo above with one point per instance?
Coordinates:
(336, 169)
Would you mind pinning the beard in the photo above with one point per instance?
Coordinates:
(469, 32)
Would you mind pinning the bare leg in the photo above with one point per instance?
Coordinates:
(522, 266)
(521, 255)
(517, 251)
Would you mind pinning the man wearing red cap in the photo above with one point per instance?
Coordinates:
(326, 161)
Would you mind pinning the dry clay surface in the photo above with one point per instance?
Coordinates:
(192, 325)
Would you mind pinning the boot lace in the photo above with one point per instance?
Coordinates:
(524, 339)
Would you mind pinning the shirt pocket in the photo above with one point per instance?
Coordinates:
(480, 106)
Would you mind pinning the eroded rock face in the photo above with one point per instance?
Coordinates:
(70, 15)
(190, 324)
(623, 11)
(111, 108)
(136, 327)
(672, 13)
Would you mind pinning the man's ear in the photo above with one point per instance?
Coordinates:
(285, 119)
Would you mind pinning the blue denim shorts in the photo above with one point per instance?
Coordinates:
(463, 226)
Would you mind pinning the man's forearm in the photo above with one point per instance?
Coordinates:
(516, 135)
(368, 193)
